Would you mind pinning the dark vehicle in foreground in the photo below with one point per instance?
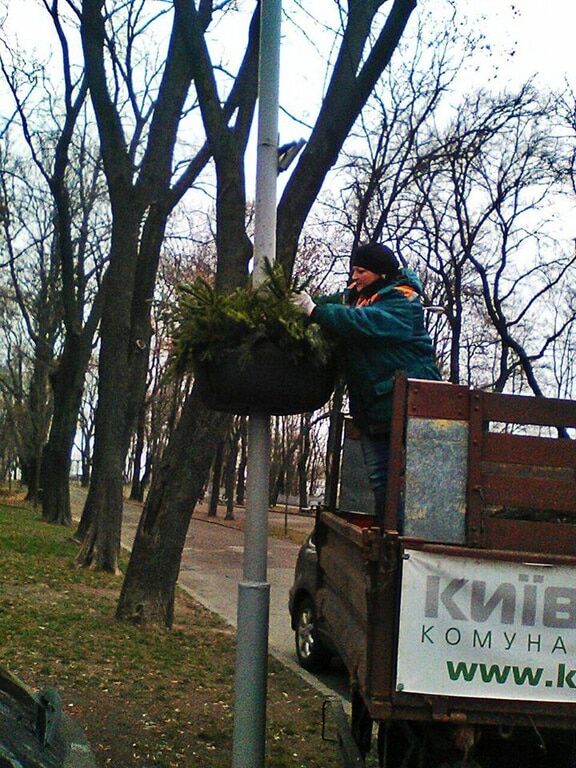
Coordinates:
(458, 626)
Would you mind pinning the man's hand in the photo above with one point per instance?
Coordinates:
(303, 302)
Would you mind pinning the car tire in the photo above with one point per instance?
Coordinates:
(311, 652)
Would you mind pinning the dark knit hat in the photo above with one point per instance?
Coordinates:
(377, 258)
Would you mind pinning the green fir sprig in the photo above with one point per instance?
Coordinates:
(207, 323)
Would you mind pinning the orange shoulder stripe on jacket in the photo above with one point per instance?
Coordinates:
(406, 291)
(365, 302)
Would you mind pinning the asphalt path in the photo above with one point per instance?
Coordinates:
(211, 568)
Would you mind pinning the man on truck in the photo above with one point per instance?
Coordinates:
(379, 323)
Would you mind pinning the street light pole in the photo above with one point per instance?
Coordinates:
(249, 742)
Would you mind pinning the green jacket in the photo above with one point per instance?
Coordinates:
(377, 340)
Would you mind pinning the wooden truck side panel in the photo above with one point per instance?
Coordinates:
(520, 504)
(343, 594)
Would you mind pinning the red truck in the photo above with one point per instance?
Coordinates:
(459, 631)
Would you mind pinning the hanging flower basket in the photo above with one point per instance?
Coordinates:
(251, 350)
(264, 381)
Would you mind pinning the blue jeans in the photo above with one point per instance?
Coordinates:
(376, 452)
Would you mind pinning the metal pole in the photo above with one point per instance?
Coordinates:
(249, 742)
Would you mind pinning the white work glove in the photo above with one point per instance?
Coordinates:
(303, 302)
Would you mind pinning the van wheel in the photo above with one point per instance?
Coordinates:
(311, 652)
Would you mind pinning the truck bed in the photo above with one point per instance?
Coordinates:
(502, 523)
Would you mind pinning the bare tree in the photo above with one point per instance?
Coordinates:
(467, 199)
(14, 383)
(232, 448)
(566, 111)
(381, 158)
(144, 188)
(148, 590)
(68, 170)
(488, 238)
(33, 290)
(86, 422)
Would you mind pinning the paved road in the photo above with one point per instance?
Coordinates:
(212, 567)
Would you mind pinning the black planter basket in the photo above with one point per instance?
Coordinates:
(265, 381)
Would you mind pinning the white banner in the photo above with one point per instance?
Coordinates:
(472, 627)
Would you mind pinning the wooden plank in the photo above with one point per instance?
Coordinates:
(347, 631)
(475, 499)
(552, 475)
(520, 409)
(395, 479)
(471, 710)
(346, 575)
(346, 530)
(383, 607)
(522, 449)
(528, 493)
(333, 456)
(496, 554)
(549, 538)
(341, 599)
(436, 400)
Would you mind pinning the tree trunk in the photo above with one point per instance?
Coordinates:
(100, 548)
(241, 482)
(303, 460)
(148, 591)
(333, 447)
(137, 489)
(230, 473)
(140, 209)
(85, 461)
(85, 481)
(101, 523)
(85, 450)
(56, 484)
(31, 471)
(122, 371)
(147, 474)
(216, 480)
(119, 387)
(67, 385)
(39, 414)
(278, 486)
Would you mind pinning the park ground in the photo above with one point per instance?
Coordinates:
(144, 697)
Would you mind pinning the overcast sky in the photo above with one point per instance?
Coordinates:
(542, 33)
(539, 34)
